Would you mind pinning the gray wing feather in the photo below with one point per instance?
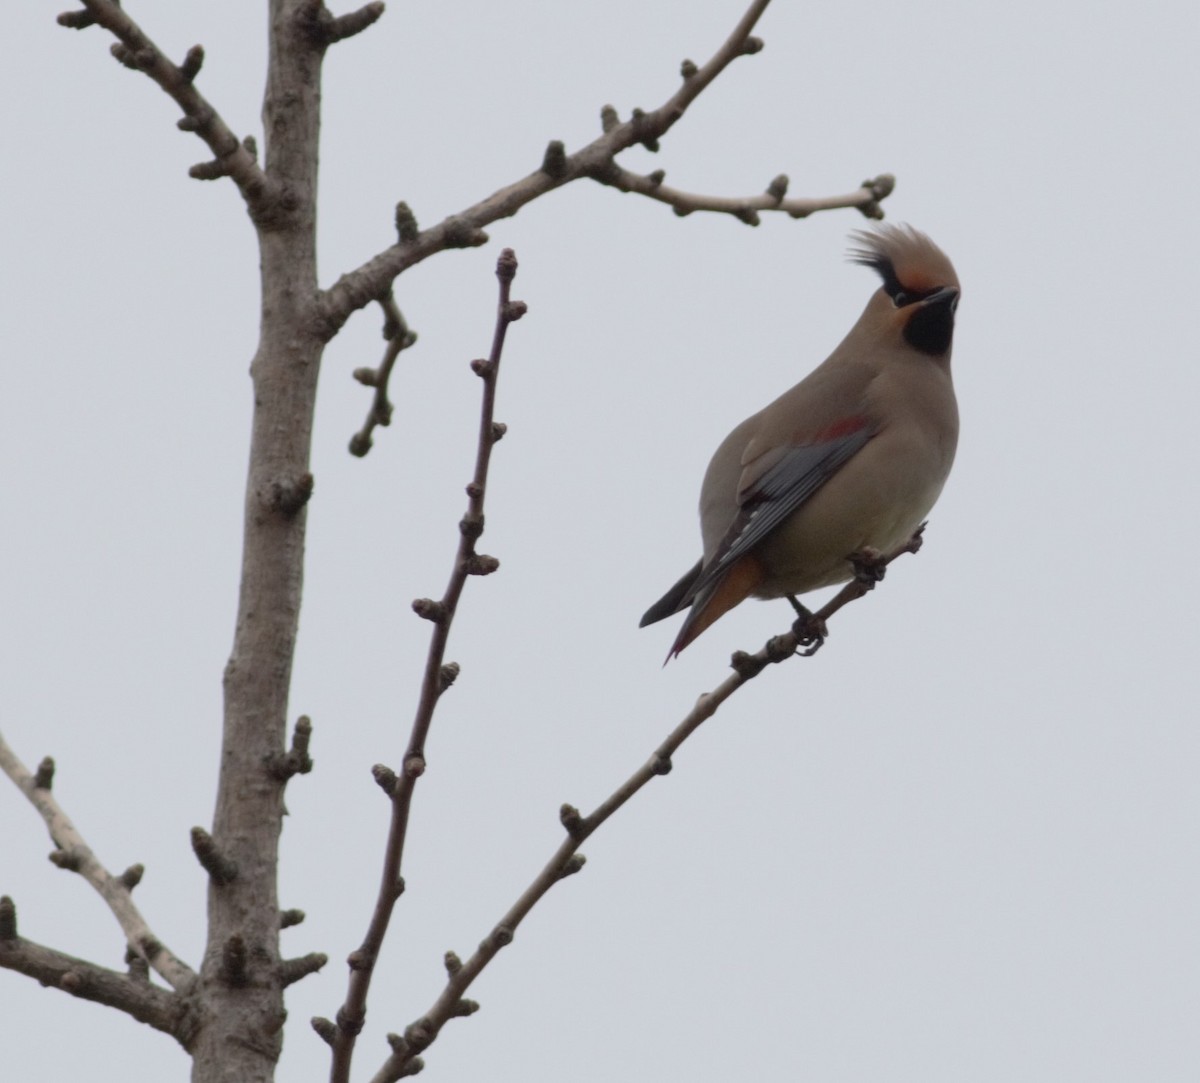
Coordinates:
(782, 489)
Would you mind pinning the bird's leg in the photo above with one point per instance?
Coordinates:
(808, 628)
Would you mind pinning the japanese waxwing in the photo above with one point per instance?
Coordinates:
(850, 459)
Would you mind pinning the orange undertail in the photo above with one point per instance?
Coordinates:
(736, 586)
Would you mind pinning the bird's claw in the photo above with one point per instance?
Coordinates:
(810, 636)
(809, 630)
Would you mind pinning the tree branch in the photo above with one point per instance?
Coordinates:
(233, 159)
(136, 997)
(75, 855)
(398, 337)
(866, 198)
(371, 280)
(331, 29)
(566, 859)
(439, 676)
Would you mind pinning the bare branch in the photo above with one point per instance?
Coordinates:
(866, 198)
(135, 50)
(151, 1004)
(438, 677)
(292, 970)
(566, 860)
(295, 761)
(330, 29)
(75, 855)
(398, 337)
(358, 288)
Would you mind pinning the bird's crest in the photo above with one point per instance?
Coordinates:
(909, 263)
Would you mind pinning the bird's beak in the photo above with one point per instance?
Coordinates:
(947, 295)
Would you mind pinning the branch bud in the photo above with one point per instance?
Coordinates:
(123, 56)
(44, 778)
(76, 20)
(138, 967)
(64, 859)
(481, 564)
(428, 609)
(745, 665)
(572, 865)
(501, 937)
(447, 675)
(292, 970)
(638, 117)
(192, 63)
(234, 969)
(385, 777)
(288, 496)
(460, 233)
(406, 223)
(208, 171)
(554, 161)
(8, 919)
(220, 869)
(571, 820)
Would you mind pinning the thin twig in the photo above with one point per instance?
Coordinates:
(231, 157)
(866, 198)
(136, 997)
(359, 287)
(438, 677)
(566, 859)
(399, 337)
(74, 854)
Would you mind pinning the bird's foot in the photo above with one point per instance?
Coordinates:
(808, 628)
(869, 566)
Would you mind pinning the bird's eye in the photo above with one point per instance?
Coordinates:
(900, 299)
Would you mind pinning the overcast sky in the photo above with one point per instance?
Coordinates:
(959, 844)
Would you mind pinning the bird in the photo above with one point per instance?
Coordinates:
(849, 461)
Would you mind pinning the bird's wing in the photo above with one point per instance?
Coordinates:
(773, 490)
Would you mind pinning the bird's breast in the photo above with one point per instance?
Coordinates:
(875, 501)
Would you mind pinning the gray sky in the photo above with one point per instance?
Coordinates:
(960, 844)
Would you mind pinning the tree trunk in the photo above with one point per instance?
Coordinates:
(241, 1012)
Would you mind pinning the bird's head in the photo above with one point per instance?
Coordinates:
(920, 290)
